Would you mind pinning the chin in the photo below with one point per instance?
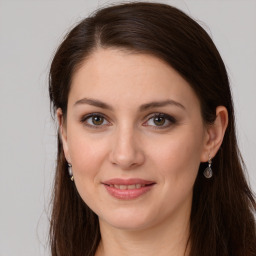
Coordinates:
(127, 220)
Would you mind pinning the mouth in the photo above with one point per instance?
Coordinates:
(128, 189)
(125, 187)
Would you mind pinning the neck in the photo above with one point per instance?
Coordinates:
(167, 238)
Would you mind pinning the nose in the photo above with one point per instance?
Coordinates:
(127, 151)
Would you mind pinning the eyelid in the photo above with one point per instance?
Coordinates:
(169, 118)
(86, 117)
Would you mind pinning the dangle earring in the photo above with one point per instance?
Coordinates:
(70, 172)
(208, 170)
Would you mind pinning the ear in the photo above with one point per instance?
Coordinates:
(214, 134)
(63, 134)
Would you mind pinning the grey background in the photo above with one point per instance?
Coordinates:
(30, 31)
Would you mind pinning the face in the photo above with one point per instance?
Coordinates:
(135, 138)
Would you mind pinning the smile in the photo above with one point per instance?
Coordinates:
(128, 189)
(123, 187)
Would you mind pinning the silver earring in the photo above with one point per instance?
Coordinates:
(70, 172)
(208, 170)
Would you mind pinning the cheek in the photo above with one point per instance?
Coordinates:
(177, 164)
(86, 154)
(179, 157)
(87, 157)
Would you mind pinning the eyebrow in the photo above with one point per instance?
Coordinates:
(154, 104)
(93, 102)
(164, 103)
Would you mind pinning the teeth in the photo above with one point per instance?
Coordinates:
(123, 187)
(138, 185)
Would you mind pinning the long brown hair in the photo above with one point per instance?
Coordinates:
(222, 221)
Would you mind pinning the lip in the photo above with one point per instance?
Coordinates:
(128, 194)
(127, 182)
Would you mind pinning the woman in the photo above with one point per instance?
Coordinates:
(148, 162)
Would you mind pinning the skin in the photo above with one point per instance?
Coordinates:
(130, 143)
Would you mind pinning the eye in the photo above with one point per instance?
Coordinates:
(94, 120)
(160, 121)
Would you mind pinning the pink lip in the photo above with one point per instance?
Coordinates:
(127, 194)
(127, 182)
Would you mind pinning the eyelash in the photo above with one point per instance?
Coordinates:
(84, 120)
(166, 117)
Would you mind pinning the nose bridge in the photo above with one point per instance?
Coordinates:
(126, 151)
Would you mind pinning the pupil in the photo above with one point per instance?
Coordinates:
(97, 120)
(159, 120)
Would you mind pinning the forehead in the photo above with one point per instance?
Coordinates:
(116, 75)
